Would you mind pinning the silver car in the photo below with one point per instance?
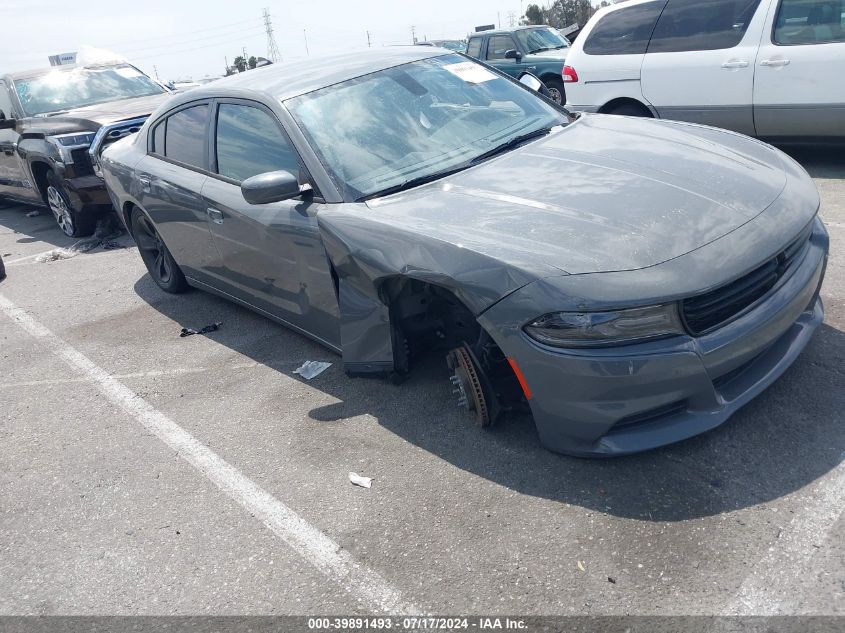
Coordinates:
(630, 282)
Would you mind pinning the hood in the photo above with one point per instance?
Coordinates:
(605, 193)
(546, 56)
(91, 118)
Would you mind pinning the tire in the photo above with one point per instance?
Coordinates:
(630, 109)
(70, 220)
(159, 262)
(557, 91)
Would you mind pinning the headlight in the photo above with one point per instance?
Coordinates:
(73, 140)
(593, 329)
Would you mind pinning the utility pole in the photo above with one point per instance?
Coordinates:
(273, 53)
(305, 36)
(511, 19)
(226, 59)
(499, 15)
(413, 35)
(369, 45)
(155, 68)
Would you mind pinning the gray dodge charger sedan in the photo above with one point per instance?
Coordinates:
(631, 282)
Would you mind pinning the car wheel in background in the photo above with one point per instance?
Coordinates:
(557, 92)
(159, 262)
(630, 109)
(70, 221)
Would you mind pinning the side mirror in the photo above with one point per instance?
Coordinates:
(532, 81)
(513, 54)
(274, 186)
(6, 124)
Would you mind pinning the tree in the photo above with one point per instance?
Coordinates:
(239, 63)
(253, 62)
(534, 14)
(562, 13)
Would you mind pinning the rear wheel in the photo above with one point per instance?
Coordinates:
(159, 262)
(70, 221)
(557, 92)
(630, 109)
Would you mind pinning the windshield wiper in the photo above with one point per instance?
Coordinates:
(540, 50)
(510, 144)
(414, 182)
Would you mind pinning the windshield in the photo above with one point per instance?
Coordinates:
(417, 120)
(61, 90)
(543, 39)
(452, 45)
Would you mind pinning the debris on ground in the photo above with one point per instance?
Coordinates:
(580, 566)
(358, 480)
(187, 331)
(611, 580)
(33, 214)
(108, 228)
(311, 369)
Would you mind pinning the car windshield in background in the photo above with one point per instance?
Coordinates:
(416, 121)
(453, 45)
(61, 90)
(543, 39)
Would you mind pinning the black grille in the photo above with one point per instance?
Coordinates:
(82, 162)
(705, 312)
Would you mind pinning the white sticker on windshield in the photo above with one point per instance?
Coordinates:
(129, 73)
(470, 72)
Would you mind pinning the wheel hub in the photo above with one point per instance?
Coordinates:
(467, 385)
(60, 210)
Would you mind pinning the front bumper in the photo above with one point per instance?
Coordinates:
(620, 400)
(88, 194)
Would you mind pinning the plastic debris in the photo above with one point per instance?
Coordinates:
(581, 566)
(311, 369)
(186, 331)
(611, 580)
(358, 480)
(33, 214)
(108, 228)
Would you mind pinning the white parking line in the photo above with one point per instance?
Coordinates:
(309, 542)
(769, 588)
(26, 258)
(154, 373)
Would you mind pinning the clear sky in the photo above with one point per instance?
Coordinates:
(190, 38)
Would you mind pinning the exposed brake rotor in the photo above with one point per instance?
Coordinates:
(467, 384)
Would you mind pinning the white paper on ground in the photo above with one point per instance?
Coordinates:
(312, 368)
(470, 72)
(358, 480)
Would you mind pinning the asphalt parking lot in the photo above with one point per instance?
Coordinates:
(144, 473)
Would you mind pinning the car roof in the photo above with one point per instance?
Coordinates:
(290, 79)
(37, 72)
(526, 27)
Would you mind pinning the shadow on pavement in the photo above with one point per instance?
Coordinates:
(787, 438)
(820, 161)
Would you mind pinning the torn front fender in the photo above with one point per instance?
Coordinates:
(368, 251)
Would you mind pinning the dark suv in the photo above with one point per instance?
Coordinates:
(53, 124)
(540, 50)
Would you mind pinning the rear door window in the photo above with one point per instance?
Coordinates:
(625, 31)
(474, 47)
(249, 142)
(499, 45)
(809, 22)
(701, 25)
(185, 138)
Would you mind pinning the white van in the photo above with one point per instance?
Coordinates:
(768, 68)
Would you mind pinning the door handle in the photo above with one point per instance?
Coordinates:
(215, 216)
(145, 183)
(775, 63)
(735, 63)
